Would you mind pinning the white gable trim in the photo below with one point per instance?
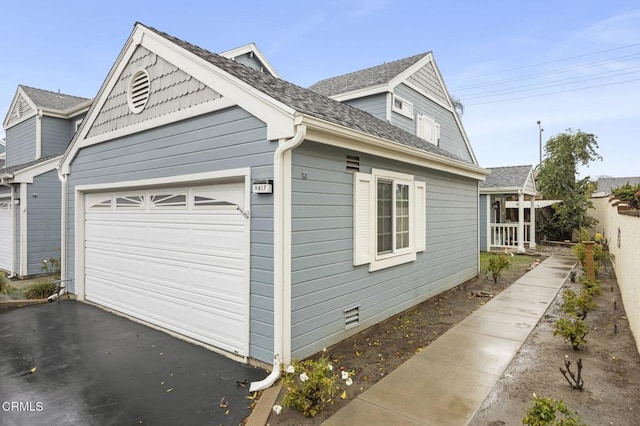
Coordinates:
(278, 116)
(361, 93)
(14, 105)
(27, 174)
(248, 48)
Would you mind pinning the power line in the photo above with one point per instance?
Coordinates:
(553, 62)
(555, 83)
(554, 93)
(620, 59)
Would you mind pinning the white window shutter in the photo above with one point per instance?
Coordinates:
(420, 211)
(363, 222)
(420, 126)
(436, 139)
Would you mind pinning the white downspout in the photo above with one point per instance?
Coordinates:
(13, 229)
(281, 283)
(63, 236)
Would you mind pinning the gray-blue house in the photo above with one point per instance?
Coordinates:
(39, 127)
(262, 219)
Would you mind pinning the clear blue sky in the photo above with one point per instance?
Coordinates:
(571, 64)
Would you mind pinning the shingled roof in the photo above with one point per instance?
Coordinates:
(311, 103)
(506, 177)
(380, 74)
(608, 184)
(53, 100)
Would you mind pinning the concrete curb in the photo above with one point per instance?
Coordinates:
(262, 410)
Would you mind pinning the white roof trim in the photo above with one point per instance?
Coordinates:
(14, 103)
(27, 174)
(277, 116)
(247, 48)
(332, 134)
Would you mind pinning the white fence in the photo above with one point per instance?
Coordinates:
(506, 234)
(622, 233)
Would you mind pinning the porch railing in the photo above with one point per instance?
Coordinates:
(506, 234)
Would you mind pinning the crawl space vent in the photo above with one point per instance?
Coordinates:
(353, 163)
(352, 317)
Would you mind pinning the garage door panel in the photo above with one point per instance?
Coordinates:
(182, 269)
(172, 311)
(130, 234)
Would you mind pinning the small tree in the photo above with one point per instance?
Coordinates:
(557, 180)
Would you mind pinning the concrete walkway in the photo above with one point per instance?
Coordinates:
(446, 382)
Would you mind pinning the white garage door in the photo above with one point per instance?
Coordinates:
(173, 257)
(6, 252)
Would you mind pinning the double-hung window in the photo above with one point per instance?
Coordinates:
(389, 218)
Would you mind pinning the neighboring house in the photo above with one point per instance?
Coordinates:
(251, 56)
(507, 204)
(39, 127)
(252, 215)
(606, 185)
(3, 154)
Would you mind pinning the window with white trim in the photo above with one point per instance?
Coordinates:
(428, 129)
(389, 218)
(402, 106)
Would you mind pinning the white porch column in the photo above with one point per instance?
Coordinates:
(521, 223)
(532, 223)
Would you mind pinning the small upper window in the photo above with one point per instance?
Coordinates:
(428, 129)
(138, 91)
(402, 106)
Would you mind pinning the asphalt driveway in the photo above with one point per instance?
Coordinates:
(96, 368)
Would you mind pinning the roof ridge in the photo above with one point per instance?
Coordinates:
(417, 56)
(52, 92)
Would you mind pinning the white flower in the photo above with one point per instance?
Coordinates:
(290, 369)
(330, 367)
(277, 409)
(345, 375)
(304, 377)
(349, 382)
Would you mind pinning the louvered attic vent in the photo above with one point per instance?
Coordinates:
(352, 317)
(139, 89)
(353, 163)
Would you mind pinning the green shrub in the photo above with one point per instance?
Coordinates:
(592, 287)
(580, 251)
(550, 412)
(309, 385)
(626, 192)
(51, 266)
(573, 330)
(40, 290)
(577, 304)
(5, 284)
(498, 263)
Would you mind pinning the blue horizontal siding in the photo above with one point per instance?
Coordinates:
(324, 281)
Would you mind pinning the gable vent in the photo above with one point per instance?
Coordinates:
(353, 163)
(139, 89)
(352, 317)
